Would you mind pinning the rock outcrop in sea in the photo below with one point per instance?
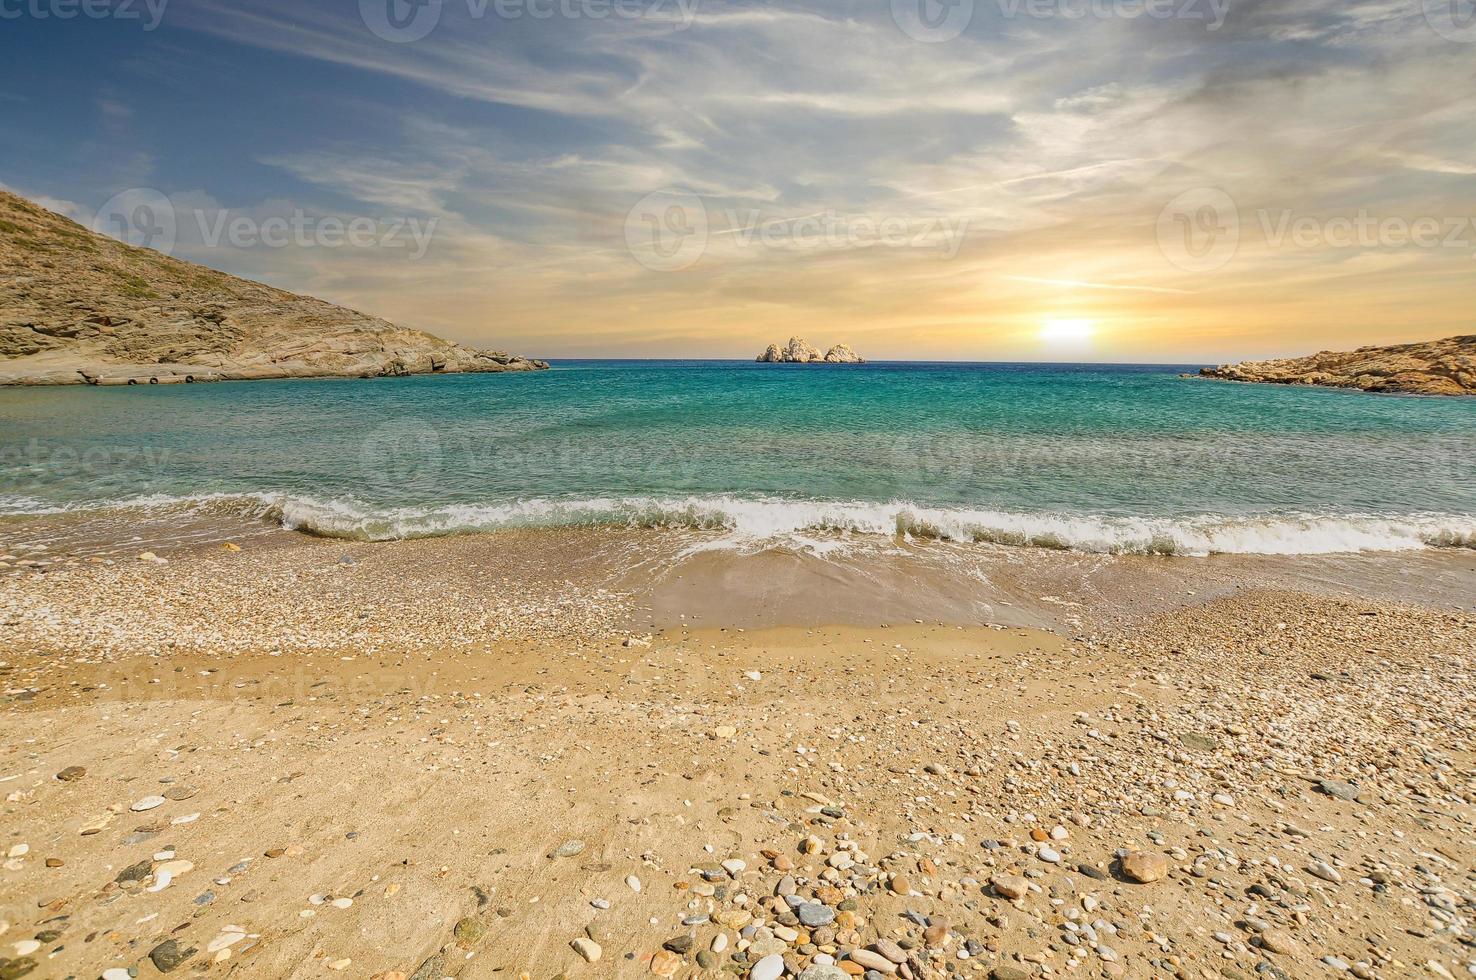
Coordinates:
(799, 351)
(1437, 367)
(78, 307)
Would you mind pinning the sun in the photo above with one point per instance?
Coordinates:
(1066, 332)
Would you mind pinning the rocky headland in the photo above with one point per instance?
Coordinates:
(78, 307)
(798, 351)
(1437, 367)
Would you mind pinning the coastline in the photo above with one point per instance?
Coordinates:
(653, 578)
(448, 757)
(70, 372)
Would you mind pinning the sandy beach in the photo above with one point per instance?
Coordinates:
(589, 490)
(510, 755)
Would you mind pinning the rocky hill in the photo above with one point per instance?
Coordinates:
(78, 307)
(1438, 367)
(800, 352)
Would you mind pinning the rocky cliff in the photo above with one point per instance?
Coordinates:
(78, 307)
(800, 352)
(1438, 367)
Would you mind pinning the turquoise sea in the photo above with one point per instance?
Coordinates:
(1098, 458)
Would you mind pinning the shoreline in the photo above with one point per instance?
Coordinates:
(107, 375)
(672, 577)
(660, 578)
(746, 523)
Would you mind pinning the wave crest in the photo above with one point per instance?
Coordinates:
(749, 521)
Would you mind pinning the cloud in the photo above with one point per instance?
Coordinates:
(1051, 144)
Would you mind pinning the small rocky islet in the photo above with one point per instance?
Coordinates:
(799, 351)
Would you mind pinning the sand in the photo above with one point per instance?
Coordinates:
(373, 769)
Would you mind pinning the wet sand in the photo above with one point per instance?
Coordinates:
(458, 757)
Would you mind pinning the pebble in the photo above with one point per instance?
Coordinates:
(813, 915)
(1325, 871)
(588, 949)
(170, 954)
(771, 967)
(1339, 789)
(1010, 886)
(890, 950)
(1145, 866)
(147, 803)
(824, 971)
(872, 960)
(229, 936)
(666, 963)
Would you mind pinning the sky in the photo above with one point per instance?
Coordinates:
(1182, 181)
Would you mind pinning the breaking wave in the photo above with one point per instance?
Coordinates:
(745, 521)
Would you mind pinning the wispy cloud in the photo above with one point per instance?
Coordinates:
(1052, 145)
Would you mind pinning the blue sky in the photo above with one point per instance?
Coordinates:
(840, 170)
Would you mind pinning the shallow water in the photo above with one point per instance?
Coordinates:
(1094, 458)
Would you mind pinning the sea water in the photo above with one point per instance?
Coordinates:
(1112, 458)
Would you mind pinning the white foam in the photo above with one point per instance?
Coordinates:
(823, 526)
